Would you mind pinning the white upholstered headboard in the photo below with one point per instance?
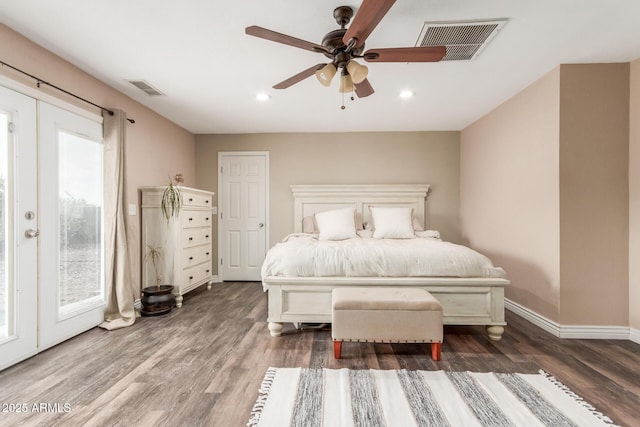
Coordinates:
(311, 199)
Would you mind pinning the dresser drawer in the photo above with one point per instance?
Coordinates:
(197, 200)
(196, 274)
(196, 236)
(190, 219)
(195, 255)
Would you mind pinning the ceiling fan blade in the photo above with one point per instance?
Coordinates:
(263, 33)
(364, 89)
(299, 77)
(367, 18)
(406, 54)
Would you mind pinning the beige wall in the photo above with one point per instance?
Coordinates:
(156, 147)
(634, 197)
(594, 212)
(346, 158)
(509, 193)
(553, 210)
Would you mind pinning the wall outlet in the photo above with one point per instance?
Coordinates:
(214, 210)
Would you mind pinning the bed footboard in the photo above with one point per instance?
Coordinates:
(465, 301)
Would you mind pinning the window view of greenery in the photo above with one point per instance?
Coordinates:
(80, 215)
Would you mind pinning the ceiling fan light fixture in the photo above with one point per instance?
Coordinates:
(357, 71)
(346, 83)
(325, 74)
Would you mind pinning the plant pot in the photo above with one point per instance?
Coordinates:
(157, 301)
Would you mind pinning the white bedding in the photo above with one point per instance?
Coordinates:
(303, 255)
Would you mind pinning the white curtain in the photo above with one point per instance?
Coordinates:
(120, 310)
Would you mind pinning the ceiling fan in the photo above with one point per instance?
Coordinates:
(344, 45)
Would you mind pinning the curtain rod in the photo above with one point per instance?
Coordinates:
(41, 81)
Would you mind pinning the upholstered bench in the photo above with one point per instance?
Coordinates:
(386, 315)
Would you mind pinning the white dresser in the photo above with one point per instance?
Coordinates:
(185, 240)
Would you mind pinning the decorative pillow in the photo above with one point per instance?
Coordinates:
(417, 226)
(338, 224)
(358, 221)
(392, 223)
(309, 225)
(365, 233)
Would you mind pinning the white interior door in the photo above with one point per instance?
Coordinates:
(71, 267)
(18, 206)
(243, 214)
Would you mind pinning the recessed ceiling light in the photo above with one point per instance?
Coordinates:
(407, 94)
(262, 97)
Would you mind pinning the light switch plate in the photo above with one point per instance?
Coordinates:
(214, 210)
(132, 209)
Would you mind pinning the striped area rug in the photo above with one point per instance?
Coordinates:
(371, 398)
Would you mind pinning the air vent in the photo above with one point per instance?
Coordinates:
(464, 39)
(146, 88)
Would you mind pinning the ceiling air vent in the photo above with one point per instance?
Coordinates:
(464, 39)
(146, 88)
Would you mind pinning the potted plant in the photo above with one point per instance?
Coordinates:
(159, 299)
(156, 300)
(171, 201)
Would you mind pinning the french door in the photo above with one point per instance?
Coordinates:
(71, 257)
(51, 244)
(18, 207)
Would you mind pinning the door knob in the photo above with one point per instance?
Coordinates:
(29, 234)
(261, 225)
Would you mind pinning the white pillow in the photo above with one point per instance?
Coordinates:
(310, 226)
(392, 223)
(337, 224)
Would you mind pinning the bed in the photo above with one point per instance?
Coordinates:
(300, 294)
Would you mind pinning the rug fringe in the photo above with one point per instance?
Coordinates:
(577, 398)
(263, 394)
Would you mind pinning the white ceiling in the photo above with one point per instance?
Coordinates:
(196, 52)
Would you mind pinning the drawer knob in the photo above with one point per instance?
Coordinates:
(207, 271)
(207, 253)
(206, 201)
(190, 277)
(190, 219)
(190, 258)
(190, 238)
(191, 200)
(207, 236)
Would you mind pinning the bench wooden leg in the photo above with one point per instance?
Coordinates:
(337, 349)
(436, 350)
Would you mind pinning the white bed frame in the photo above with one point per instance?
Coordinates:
(465, 301)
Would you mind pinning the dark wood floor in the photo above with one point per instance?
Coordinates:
(202, 365)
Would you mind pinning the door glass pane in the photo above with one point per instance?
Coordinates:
(81, 280)
(6, 233)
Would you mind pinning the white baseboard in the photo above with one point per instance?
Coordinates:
(587, 332)
(216, 279)
(540, 321)
(573, 331)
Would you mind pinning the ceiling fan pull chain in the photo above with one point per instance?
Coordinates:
(342, 107)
